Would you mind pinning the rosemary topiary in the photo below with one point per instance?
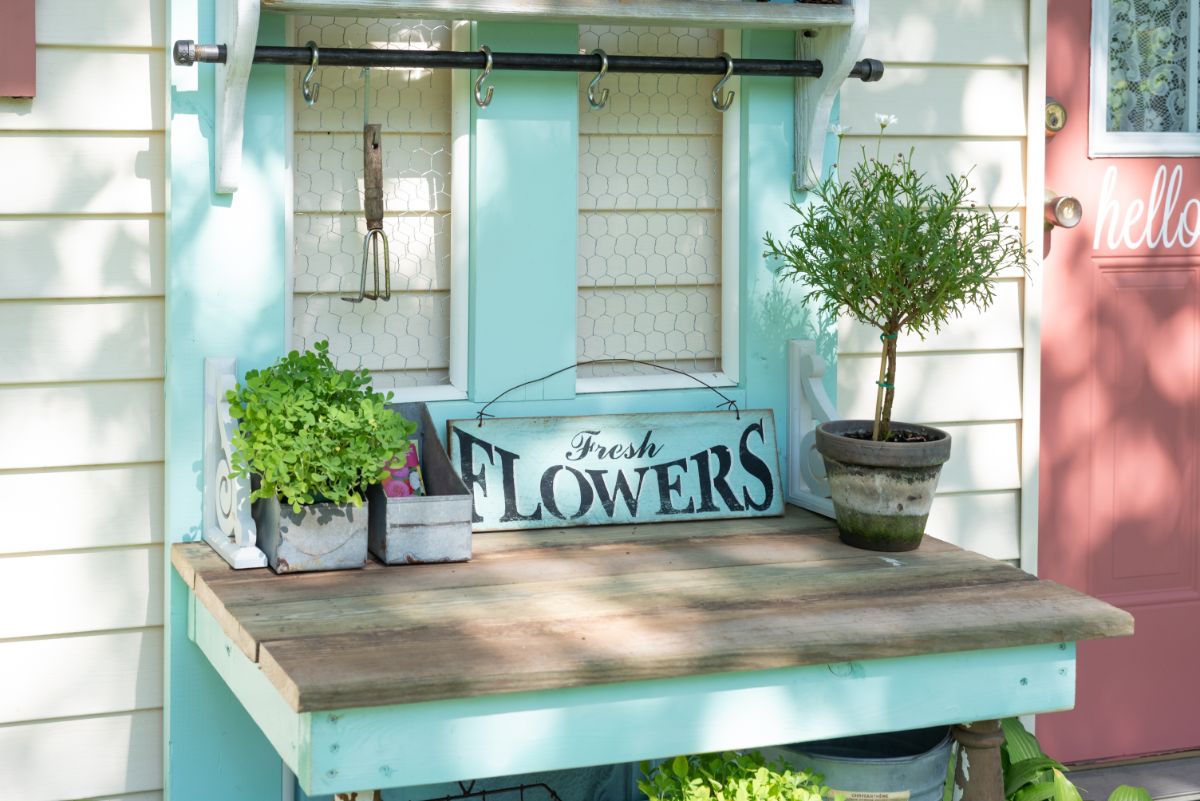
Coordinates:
(897, 252)
(312, 432)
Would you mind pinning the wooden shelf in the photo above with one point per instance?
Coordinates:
(701, 13)
(839, 33)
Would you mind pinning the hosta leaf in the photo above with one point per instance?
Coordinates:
(1127, 793)
(1028, 771)
(1042, 791)
(1019, 744)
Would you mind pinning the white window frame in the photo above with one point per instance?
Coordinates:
(460, 193)
(1103, 142)
(728, 375)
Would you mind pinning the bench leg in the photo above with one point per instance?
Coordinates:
(979, 775)
(360, 795)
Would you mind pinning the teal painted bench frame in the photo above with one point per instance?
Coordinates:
(225, 295)
(471, 738)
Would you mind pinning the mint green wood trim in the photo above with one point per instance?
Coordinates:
(772, 312)
(524, 220)
(224, 296)
(416, 744)
(287, 730)
(505, 735)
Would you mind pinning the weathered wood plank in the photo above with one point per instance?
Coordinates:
(353, 670)
(544, 609)
(629, 597)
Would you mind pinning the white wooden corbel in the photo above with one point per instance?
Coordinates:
(237, 28)
(837, 48)
(227, 523)
(808, 407)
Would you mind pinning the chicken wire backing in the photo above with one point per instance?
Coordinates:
(404, 341)
(649, 256)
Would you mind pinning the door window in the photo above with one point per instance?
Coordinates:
(1144, 78)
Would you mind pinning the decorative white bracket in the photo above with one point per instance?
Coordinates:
(837, 48)
(808, 406)
(228, 526)
(237, 29)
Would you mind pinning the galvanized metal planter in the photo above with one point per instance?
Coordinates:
(435, 527)
(322, 536)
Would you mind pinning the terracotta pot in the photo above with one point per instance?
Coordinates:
(881, 491)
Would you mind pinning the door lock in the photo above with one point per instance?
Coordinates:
(1056, 116)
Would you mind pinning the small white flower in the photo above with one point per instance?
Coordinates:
(839, 130)
(885, 120)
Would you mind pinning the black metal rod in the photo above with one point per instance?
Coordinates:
(188, 52)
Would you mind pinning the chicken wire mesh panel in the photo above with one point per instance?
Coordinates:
(649, 256)
(404, 341)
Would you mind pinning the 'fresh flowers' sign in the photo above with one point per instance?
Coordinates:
(541, 472)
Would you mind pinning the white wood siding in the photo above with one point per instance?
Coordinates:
(81, 398)
(958, 77)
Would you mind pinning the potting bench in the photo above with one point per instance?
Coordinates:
(585, 646)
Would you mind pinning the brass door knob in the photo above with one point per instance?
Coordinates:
(1062, 211)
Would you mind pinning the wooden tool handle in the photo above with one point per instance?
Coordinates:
(373, 176)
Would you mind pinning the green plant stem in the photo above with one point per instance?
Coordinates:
(879, 392)
(889, 395)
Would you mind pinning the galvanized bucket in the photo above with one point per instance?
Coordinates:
(895, 766)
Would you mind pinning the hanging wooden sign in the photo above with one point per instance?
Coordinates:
(542, 472)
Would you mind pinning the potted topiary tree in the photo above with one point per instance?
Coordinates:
(313, 438)
(900, 253)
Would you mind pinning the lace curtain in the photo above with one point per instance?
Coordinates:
(1148, 66)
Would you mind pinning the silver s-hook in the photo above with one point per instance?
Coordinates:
(481, 99)
(310, 88)
(718, 103)
(595, 84)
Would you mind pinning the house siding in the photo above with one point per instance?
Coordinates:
(961, 78)
(81, 420)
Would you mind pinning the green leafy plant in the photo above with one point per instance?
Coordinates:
(1030, 775)
(312, 432)
(897, 252)
(728, 777)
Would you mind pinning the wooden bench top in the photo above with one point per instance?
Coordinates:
(549, 609)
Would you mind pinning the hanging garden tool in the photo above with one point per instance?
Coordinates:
(375, 243)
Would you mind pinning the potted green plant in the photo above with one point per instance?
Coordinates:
(312, 438)
(730, 777)
(896, 251)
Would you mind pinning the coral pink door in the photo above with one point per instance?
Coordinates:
(1119, 494)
